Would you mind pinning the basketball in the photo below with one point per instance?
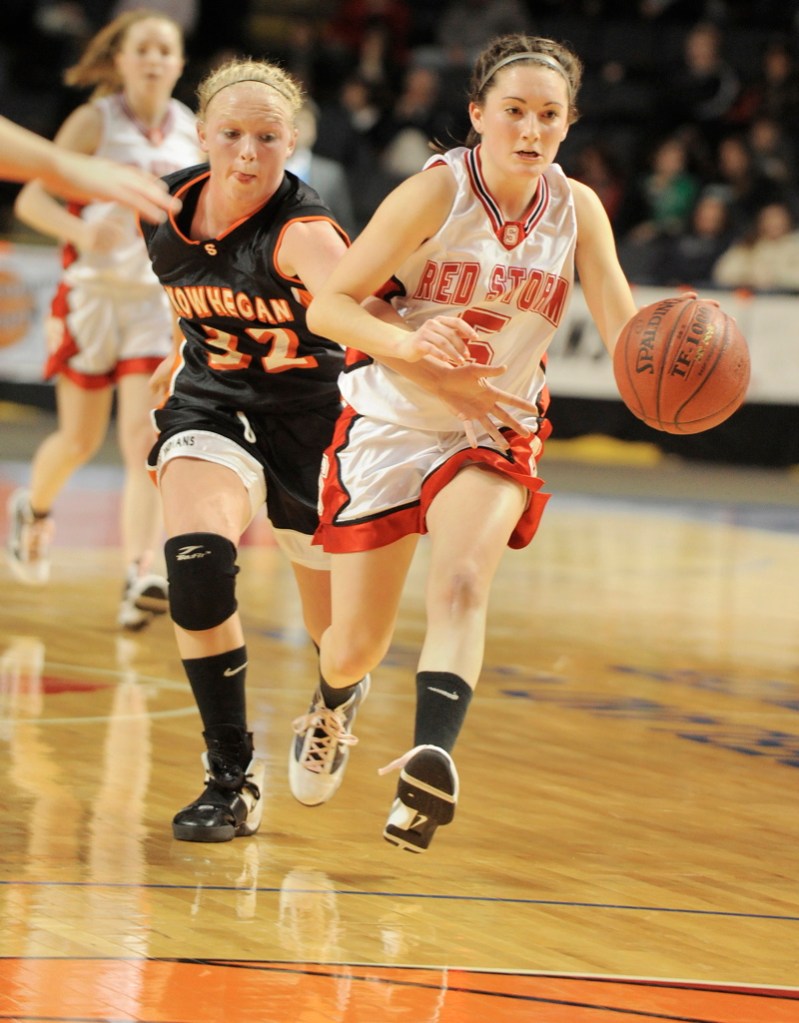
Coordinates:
(682, 365)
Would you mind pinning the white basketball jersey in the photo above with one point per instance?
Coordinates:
(171, 147)
(511, 281)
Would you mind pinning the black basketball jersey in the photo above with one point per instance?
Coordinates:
(243, 320)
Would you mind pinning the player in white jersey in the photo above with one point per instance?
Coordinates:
(110, 323)
(479, 248)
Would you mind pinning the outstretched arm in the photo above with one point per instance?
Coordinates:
(407, 216)
(25, 156)
(607, 292)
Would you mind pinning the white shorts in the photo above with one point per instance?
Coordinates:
(378, 479)
(213, 447)
(94, 338)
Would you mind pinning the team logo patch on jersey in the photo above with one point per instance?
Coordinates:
(210, 248)
(510, 234)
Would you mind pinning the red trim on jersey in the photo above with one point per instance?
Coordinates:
(155, 135)
(387, 527)
(393, 288)
(353, 357)
(508, 232)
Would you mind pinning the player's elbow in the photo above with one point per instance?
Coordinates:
(22, 205)
(316, 316)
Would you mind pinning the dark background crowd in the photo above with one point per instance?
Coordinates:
(689, 109)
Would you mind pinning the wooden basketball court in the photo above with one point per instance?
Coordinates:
(626, 845)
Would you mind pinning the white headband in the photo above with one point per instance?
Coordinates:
(539, 58)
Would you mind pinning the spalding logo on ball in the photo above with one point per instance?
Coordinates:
(682, 365)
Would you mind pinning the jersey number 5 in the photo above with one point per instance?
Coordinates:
(484, 322)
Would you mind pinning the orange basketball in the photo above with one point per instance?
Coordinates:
(682, 365)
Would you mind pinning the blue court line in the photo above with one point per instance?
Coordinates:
(495, 899)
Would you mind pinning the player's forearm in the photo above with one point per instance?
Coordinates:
(39, 210)
(341, 319)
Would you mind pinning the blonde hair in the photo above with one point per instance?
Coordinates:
(238, 70)
(97, 66)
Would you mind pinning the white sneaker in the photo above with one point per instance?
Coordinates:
(28, 540)
(321, 747)
(143, 598)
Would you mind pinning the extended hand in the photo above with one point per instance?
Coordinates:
(443, 338)
(468, 394)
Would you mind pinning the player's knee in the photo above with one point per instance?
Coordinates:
(355, 653)
(460, 591)
(202, 580)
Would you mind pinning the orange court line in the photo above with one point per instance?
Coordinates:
(160, 991)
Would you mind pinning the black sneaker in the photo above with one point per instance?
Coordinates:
(427, 794)
(321, 748)
(231, 805)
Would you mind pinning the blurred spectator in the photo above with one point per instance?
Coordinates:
(347, 125)
(658, 207)
(347, 130)
(662, 198)
(418, 108)
(744, 188)
(689, 257)
(371, 36)
(767, 258)
(464, 27)
(596, 167)
(703, 87)
(775, 92)
(327, 176)
(773, 152)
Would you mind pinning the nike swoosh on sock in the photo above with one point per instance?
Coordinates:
(443, 692)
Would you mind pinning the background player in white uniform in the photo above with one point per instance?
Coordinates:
(111, 324)
(480, 248)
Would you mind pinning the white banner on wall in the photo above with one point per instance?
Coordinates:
(578, 365)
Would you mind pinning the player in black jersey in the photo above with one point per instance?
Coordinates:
(252, 401)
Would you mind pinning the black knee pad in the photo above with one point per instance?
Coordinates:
(202, 580)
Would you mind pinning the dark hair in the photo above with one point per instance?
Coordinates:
(518, 47)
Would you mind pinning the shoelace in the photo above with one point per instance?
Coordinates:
(214, 782)
(328, 733)
(400, 762)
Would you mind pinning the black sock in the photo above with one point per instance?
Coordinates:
(442, 700)
(335, 697)
(218, 684)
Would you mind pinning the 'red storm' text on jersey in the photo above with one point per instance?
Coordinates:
(454, 282)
